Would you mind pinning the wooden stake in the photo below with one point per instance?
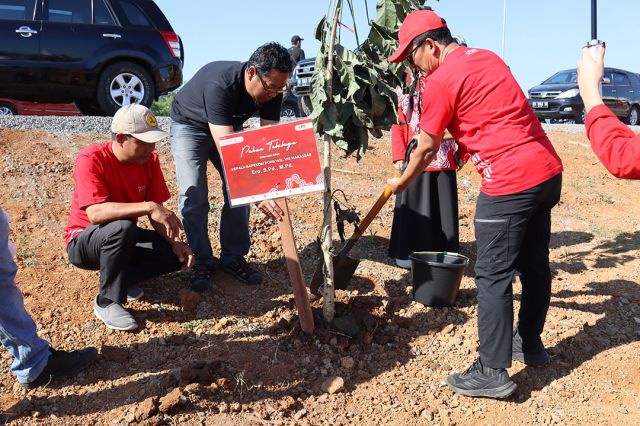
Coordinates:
(295, 270)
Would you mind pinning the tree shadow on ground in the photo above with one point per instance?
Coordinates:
(615, 328)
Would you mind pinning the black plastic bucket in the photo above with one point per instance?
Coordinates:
(436, 277)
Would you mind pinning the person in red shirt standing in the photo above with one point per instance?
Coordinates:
(117, 182)
(617, 147)
(472, 93)
(425, 217)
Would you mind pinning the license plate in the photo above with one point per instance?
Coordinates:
(304, 81)
(541, 104)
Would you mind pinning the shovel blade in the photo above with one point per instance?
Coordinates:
(343, 269)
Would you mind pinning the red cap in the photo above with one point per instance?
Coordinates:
(416, 23)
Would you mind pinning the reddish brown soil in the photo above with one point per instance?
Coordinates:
(239, 357)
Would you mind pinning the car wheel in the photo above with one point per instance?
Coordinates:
(632, 120)
(305, 105)
(89, 108)
(581, 116)
(7, 109)
(124, 83)
(288, 110)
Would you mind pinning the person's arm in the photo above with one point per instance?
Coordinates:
(182, 251)
(425, 152)
(164, 218)
(301, 55)
(615, 145)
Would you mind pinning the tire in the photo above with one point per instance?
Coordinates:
(632, 119)
(123, 83)
(581, 116)
(289, 110)
(7, 109)
(89, 108)
(305, 105)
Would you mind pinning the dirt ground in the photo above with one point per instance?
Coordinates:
(238, 356)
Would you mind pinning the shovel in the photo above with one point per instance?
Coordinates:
(344, 266)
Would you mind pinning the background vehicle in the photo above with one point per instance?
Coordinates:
(101, 54)
(300, 84)
(14, 107)
(558, 97)
(289, 108)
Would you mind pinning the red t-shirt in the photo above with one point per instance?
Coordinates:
(100, 177)
(617, 147)
(474, 95)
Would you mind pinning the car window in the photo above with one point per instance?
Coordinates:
(620, 79)
(16, 10)
(70, 11)
(133, 14)
(101, 15)
(562, 78)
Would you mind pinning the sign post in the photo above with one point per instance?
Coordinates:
(276, 162)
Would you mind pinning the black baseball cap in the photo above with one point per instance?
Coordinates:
(296, 38)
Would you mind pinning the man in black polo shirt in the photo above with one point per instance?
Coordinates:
(296, 52)
(215, 102)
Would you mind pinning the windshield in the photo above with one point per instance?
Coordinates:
(563, 77)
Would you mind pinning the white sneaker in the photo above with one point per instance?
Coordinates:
(115, 316)
(403, 263)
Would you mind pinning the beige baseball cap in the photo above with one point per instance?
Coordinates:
(138, 121)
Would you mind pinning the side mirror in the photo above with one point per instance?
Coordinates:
(606, 80)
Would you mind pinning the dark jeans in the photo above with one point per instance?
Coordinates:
(512, 234)
(124, 254)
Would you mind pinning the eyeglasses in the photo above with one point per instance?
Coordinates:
(410, 54)
(270, 90)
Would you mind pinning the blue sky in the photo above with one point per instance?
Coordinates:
(542, 36)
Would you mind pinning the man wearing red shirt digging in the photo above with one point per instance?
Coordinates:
(472, 93)
(117, 182)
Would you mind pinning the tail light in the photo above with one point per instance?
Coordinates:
(173, 42)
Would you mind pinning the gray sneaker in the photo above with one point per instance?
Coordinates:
(134, 293)
(115, 316)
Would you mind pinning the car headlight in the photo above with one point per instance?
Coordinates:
(568, 94)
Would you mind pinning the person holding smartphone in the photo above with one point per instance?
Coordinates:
(617, 146)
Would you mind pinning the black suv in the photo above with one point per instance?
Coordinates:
(101, 54)
(558, 97)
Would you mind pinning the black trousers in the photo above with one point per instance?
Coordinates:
(512, 234)
(124, 254)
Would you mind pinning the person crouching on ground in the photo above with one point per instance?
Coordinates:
(472, 93)
(117, 182)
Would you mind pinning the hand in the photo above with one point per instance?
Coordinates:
(167, 219)
(271, 209)
(590, 73)
(396, 185)
(397, 164)
(184, 253)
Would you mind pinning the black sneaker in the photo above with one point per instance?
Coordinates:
(532, 354)
(63, 363)
(243, 272)
(200, 278)
(479, 380)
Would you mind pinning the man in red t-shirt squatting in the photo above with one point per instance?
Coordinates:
(472, 93)
(117, 182)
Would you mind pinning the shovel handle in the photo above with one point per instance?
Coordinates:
(381, 201)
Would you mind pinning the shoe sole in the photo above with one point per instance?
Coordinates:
(113, 327)
(497, 393)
